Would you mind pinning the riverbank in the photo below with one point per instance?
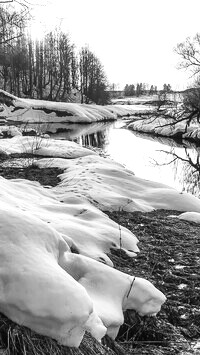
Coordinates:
(78, 186)
(163, 125)
(22, 110)
(168, 258)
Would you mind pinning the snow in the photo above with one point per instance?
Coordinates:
(189, 216)
(52, 291)
(110, 186)
(10, 130)
(124, 110)
(110, 300)
(166, 127)
(43, 146)
(35, 290)
(45, 286)
(73, 218)
(31, 110)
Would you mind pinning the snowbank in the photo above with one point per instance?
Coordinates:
(11, 131)
(46, 287)
(43, 146)
(35, 290)
(166, 127)
(29, 110)
(103, 182)
(189, 216)
(124, 110)
(112, 291)
(165, 140)
(110, 186)
(84, 227)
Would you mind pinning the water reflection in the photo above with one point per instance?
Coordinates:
(187, 169)
(97, 139)
(85, 134)
(185, 162)
(153, 158)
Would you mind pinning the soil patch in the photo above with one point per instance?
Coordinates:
(170, 259)
(45, 176)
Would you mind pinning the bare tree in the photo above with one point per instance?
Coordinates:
(189, 51)
(93, 80)
(12, 24)
(189, 166)
(23, 3)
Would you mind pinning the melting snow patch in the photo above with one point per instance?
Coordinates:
(196, 345)
(179, 267)
(182, 286)
(190, 217)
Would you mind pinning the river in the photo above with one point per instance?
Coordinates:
(158, 159)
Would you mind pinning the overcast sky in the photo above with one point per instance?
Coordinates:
(134, 39)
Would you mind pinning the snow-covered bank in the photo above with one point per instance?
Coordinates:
(45, 284)
(49, 289)
(43, 146)
(9, 131)
(103, 182)
(110, 186)
(90, 231)
(165, 140)
(30, 110)
(167, 127)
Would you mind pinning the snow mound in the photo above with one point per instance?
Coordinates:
(124, 110)
(166, 127)
(110, 186)
(31, 110)
(112, 291)
(84, 227)
(35, 290)
(9, 131)
(189, 216)
(43, 146)
(47, 288)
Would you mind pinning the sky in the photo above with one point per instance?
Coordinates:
(134, 39)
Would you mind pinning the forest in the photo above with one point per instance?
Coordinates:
(49, 68)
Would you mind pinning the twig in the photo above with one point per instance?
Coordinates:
(132, 282)
(120, 237)
(155, 341)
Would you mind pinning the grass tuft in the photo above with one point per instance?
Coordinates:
(19, 340)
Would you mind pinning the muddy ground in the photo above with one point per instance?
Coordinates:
(170, 259)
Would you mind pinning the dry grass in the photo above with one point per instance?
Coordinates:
(19, 340)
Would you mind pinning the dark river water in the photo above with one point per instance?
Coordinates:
(157, 159)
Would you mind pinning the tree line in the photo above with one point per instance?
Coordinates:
(145, 89)
(49, 68)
